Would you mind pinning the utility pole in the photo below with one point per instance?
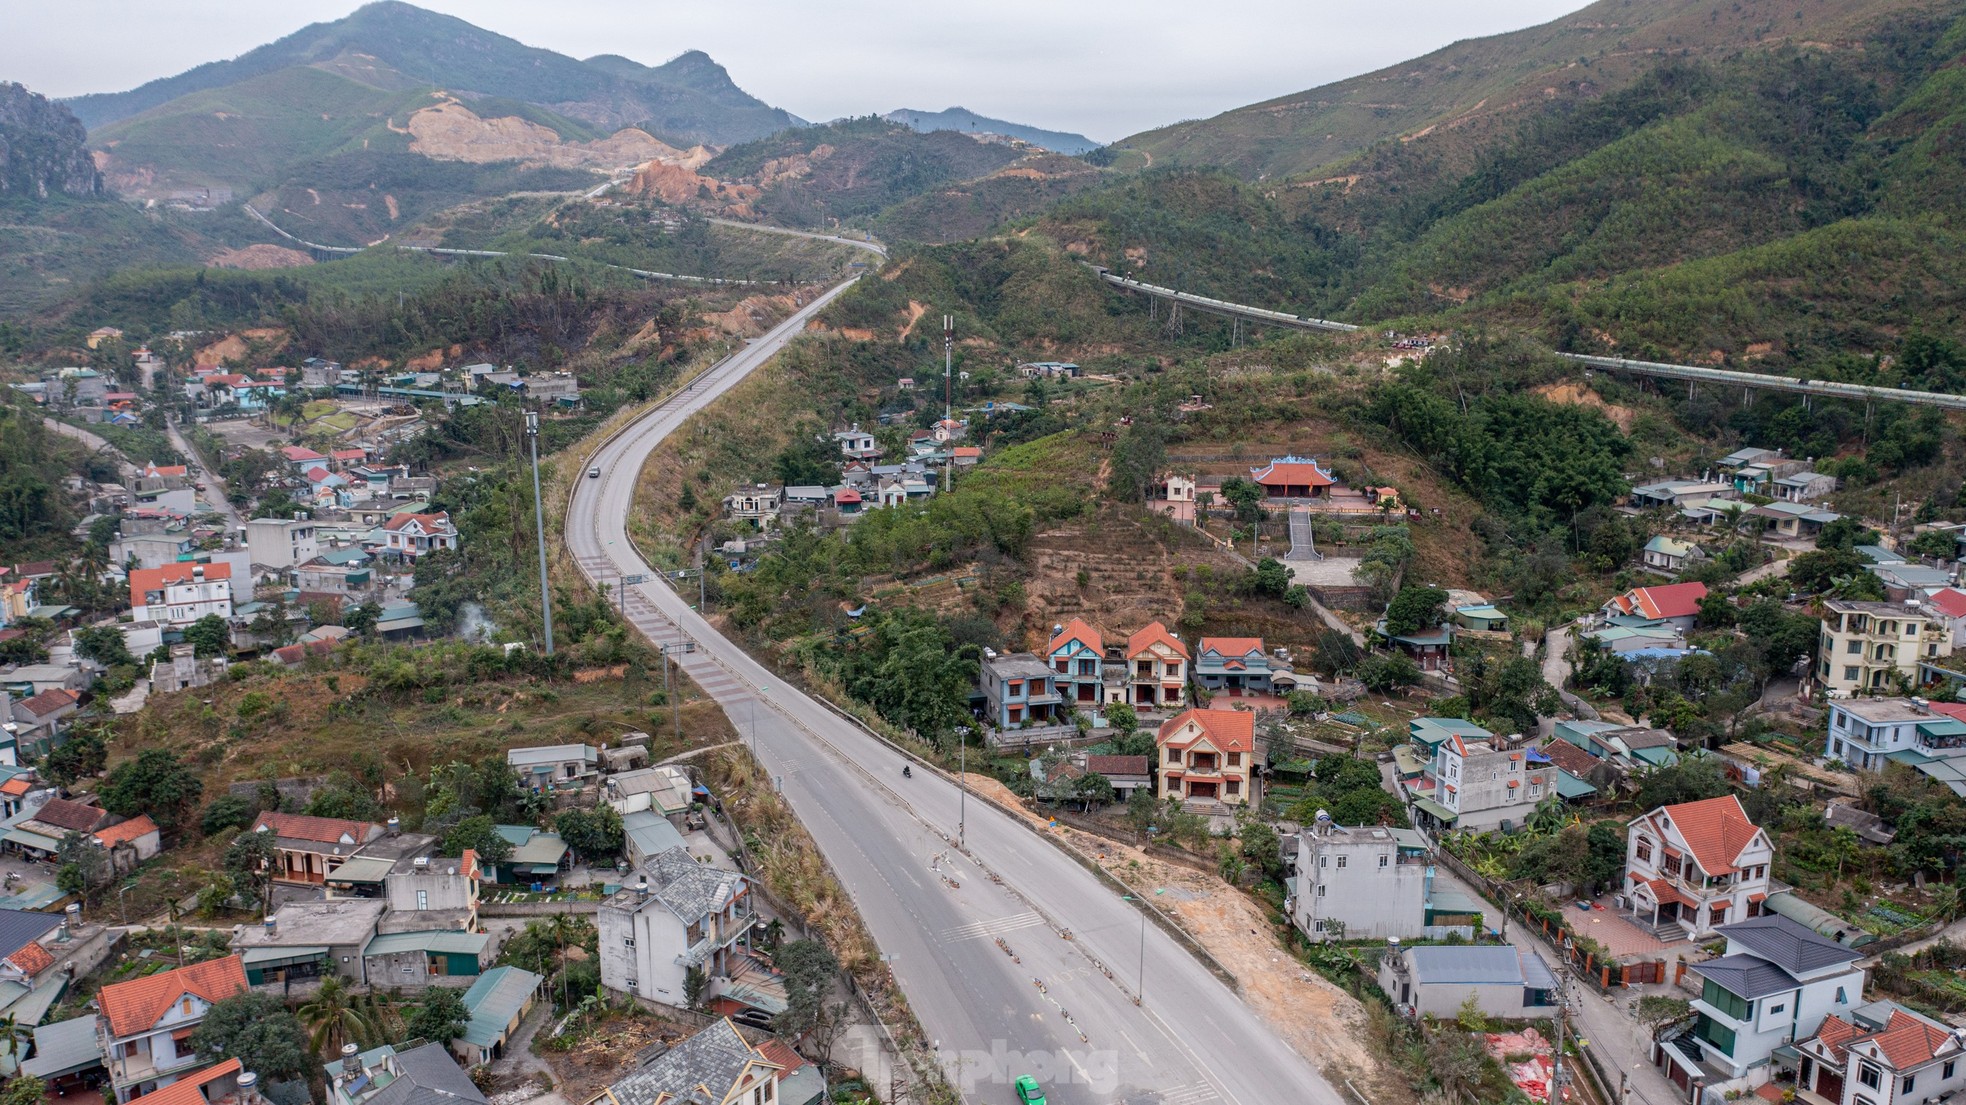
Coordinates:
(1556, 1055)
(539, 523)
(962, 777)
(948, 378)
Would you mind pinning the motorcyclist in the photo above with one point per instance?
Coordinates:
(907, 772)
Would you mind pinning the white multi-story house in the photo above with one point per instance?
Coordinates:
(1881, 1054)
(1776, 984)
(412, 535)
(1697, 865)
(281, 543)
(678, 914)
(857, 443)
(145, 1023)
(1864, 732)
(179, 594)
(1363, 883)
(1868, 646)
(1483, 782)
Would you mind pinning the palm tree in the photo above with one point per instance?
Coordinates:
(334, 1017)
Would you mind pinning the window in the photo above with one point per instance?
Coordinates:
(1849, 671)
(1909, 1080)
(1774, 1009)
(1645, 849)
(1320, 890)
(1870, 1076)
(627, 941)
(1341, 861)
(1841, 999)
(1383, 860)
(1174, 755)
(1945, 1072)
(423, 899)
(1235, 759)
(1855, 648)
(1317, 925)
(1729, 1005)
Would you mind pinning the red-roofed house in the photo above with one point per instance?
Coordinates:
(412, 535)
(179, 594)
(1156, 668)
(1675, 604)
(846, 500)
(130, 842)
(966, 456)
(1206, 755)
(343, 458)
(1905, 1060)
(1950, 602)
(1078, 654)
(146, 1023)
(311, 848)
(1293, 478)
(302, 458)
(1232, 665)
(1700, 864)
(40, 716)
(154, 471)
(217, 1085)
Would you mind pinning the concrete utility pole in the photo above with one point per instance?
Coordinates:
(539, 523)
(948, 378)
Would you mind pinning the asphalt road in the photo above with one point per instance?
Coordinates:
(93, 441)
(1061, 1009)
(219, 496)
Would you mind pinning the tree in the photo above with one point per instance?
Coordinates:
(104, 644)
(1938, 544)
(1716, 611)
(1658, 1012)
(1843, 847)
(695, 982)
(82, 756)
(594, 835)
(480, 834)
(1414, 609)
(1336, 653)
(440, 1018)
(251, 861)
(227, 811)
(270, 626)
(84, 865)
(809, 969)
(1246, 496)
(1142, 810)
(1137, 459)
(1607, 853)
(1261, 847)
(335, 1017)
(362, 620)
(156, 783)
(23, 1089)
(257, 1030)
(1693, 779)
(1092, 789)
(1122, 718)
(1271, 578)
(209, 636)
(1385, 672)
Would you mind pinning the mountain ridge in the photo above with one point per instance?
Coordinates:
(43, 148)
(965, 121)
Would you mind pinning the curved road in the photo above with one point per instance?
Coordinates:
(1053, 1011)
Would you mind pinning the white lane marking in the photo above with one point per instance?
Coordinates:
(994, 927)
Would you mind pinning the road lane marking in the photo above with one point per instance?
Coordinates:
(993, 927)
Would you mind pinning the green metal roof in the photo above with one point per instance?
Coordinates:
(1435, 808)
(436, 941)
(366, 869)
(494, 1000)
(1569, 786)
(281, 956)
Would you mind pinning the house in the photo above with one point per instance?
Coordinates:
(430, 893)
(434, 957)
(1156, 667)
(1693, 867)
(1668, 554)
(1126, 773)
(716, 1066)
(40, 834)
(1880, 1054)
(1367, 882)
(67, 1056)
(1869, 646)
(1206, 756)
(966, 456)
(1802, 487)
(1867, 732)
(666, 790)
(1949, 603)
(1428, 648)
(1481, 617)
(1232, 665)
(1676, 493)
(300, 458)
(496, 1003)
(281, 543)
(183, 669)
(1077, 655)
(39, 717)
(647, 834)
(1287, 478)
(311, 848)
(848, 502)
(311, 939)
(226, 1083)
(1793, 520)
(678, 915)
(1578, 773)
(1675, 604)
(145, 1022)
(129, 842)
(1436, 980)
(1483, 782)
(857, 444)
(412, 535)
(1032, 370)
(761, 503)
(555, 765)
(947, 430)
(179, 594)
(1630, 747)
(1775, 985)
(1019, 690)
(1630, 638)
(536, 856)
(425, 1075)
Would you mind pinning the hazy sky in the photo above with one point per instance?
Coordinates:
(1106, 68)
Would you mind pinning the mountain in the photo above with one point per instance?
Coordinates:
(968, 122)
(396, 47)
(1791, 206)
(1465, 94)
(43, 149)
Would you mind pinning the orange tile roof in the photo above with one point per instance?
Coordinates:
(32, 959)
(190, 1090)
(321, 830)
(1228, 730)
(155, 579)
(135, 1006)
(778, 1051)
(1232, 646)
(430, 522)
(1835, 1036)
(1676, 600)
(16, 786)
(126, 831)
(49, 701)
(1154, 634)
(1076, 629)
(1908, 1041)
(1292, 472)
(1716, 830)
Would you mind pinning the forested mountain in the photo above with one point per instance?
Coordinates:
(394, 46)
(1460, 96)
(43, 149)
(1786, 204)
(968, 122)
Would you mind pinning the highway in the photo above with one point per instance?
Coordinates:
(1062, 1009)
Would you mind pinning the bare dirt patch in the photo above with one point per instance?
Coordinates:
(1575, 394)
(238, 347)
(259, 257)
(453, 132)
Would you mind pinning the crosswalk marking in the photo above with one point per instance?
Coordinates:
(1195, 1093)
(996, 926)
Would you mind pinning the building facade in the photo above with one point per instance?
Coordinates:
(1697, 865)
(179, 594)
(1776, 984)
(1364, 883)
(677, 916)
(1206, 756)
(1869, 646)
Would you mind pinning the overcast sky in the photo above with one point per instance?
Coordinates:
(1105, 68)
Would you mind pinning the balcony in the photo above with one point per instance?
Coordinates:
(130, 1070)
